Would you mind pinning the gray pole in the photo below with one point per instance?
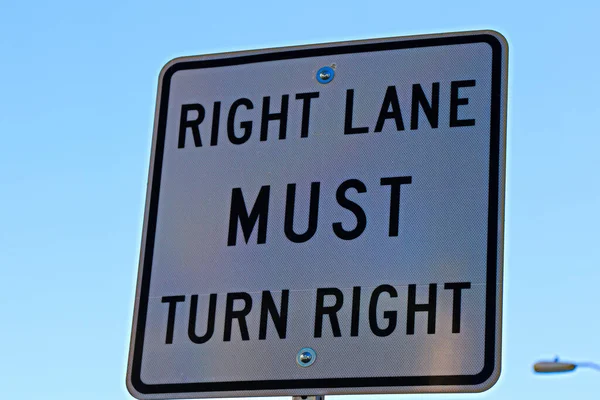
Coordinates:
(317, 397)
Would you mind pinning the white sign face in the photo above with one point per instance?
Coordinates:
(325, 220)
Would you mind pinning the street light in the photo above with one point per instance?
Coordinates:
(556, 366)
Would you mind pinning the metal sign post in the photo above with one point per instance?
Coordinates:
(308, 397)
(325, 219)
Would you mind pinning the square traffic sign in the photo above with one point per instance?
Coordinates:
(325, 219)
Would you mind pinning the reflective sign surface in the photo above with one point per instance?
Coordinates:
(325, 219)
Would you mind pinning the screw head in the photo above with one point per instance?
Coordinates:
(325, 75)
(306, 357)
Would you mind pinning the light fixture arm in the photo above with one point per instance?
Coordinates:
(557, 366)
(590, 365)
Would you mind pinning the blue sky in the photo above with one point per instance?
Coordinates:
(76, 111)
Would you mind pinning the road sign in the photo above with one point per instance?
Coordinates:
(325, 219)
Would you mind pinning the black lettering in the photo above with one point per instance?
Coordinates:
(395, 183)
(431, 110)
(361, 218)
(355, 311)
(172, 300)
(238, 211)
(456, 101)
(214, 135)
(240, 315)
(348, 129)
(279, 318)
(313, 213)
(390, 99)
(210, 324)
(331, 311)
(457, 288)
(306, 98)
(194, 124)
(391, 316)
(413, 308)
(281, 116)
(245, 125)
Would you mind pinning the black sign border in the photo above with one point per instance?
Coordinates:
(361, 382)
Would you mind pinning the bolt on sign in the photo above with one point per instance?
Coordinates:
(325, 219)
